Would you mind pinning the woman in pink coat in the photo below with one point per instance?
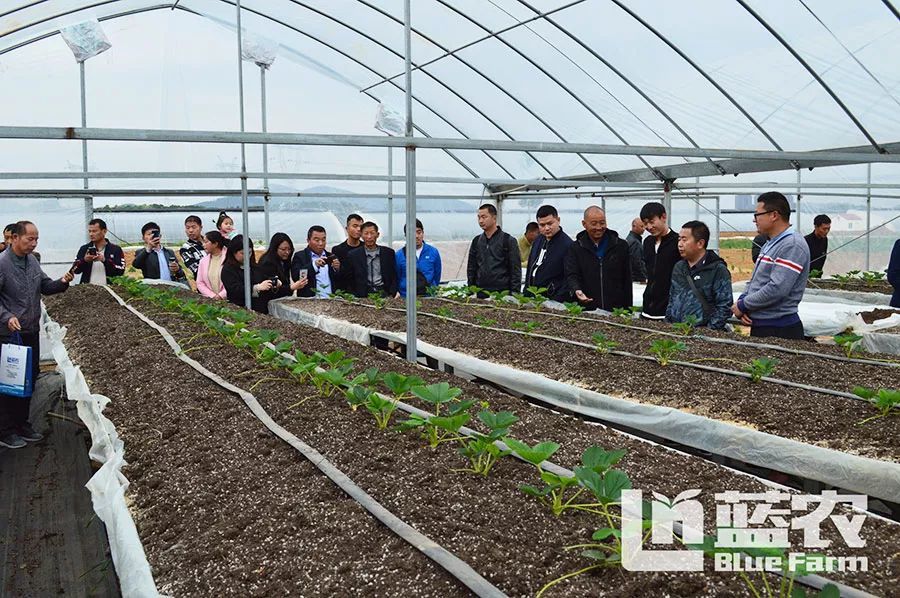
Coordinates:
(209, 272)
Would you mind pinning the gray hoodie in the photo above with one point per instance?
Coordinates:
(779, 279)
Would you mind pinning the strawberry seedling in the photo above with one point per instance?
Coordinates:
(886, 400)
(665, 349)
(687, 326)
(760, 368)
(602, 344)
(848, 342)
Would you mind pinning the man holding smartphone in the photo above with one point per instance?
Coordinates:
(319, 267)
(98, 260)
(155, 261)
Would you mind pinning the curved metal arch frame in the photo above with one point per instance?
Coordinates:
(699, 69)
(623, 77)
(552, 78)
(812, 72)
(174, 5)
(478, 71)
(436, 79)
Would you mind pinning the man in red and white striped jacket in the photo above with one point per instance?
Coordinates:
(769, 302)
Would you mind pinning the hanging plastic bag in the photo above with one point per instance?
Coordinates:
(259, 50)
(390, 121)
(15, 368)
(85, 39)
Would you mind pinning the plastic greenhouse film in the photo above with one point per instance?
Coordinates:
(880, 479)
(446, 559)
(107, 486)
(85, 39)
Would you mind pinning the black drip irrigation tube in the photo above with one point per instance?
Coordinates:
(702, 337)
(812, 581)
(455, 566)
(698, 366)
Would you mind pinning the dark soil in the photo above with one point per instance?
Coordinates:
(877, 314)
(881, 286)
(814, 418)
(221, 505)
(487, 521)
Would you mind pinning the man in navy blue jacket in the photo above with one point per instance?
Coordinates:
(547, 261)
(100, 259)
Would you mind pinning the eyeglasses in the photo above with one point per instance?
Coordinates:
(758, 214)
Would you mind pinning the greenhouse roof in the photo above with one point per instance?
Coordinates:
(794, 76)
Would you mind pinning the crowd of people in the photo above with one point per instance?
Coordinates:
(684, 278)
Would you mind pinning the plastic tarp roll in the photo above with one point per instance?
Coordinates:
(85, 39)
(107, 486)
(880, 479)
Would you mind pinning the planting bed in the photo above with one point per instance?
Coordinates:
(223, 507)
(810, 417)
(506, 536)
(859, 286)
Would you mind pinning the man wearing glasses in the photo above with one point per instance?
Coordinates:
(769, 302)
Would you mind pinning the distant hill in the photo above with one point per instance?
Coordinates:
(343, 201)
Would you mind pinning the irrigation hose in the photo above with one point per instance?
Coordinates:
(455, 566)
(711, 339)
(812, 581)
(698, 366)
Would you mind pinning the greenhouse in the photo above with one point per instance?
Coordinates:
(649, 344)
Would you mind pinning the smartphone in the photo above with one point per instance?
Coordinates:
(92, 250)
(330, 258)
(154, 234)
(304, 274)
(74, 267)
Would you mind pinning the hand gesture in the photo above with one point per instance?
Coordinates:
(300, 284)
(582, 297)
(336, 264)
(68, 277)
(13, 324)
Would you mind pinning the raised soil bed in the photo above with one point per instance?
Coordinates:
(814, 418)
(488, 522)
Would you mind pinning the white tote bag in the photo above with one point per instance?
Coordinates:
(15, 368)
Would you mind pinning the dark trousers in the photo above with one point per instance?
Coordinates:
(794, 331)
(14, 410)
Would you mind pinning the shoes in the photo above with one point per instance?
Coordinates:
(27, 433)
(11, 441)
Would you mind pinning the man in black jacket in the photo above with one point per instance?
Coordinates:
(817, 241)
(547, 260)
(344, 281)
(319, 267)
(636, 246)
(495, 263)
(154, 260)
(660, 256)
(98, 260)
(374, 266)
(598, 265)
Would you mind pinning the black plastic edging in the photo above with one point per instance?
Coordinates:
(455, 566)
(812, 581)
(703, 337)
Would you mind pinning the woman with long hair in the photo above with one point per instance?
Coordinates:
(233, 278)
(276, 261)
(225, 225)
(209, 271)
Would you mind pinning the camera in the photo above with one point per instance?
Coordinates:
(274, 281)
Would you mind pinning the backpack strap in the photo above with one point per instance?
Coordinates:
(707, 308)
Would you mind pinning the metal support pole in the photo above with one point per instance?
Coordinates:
(88, 201)
(718, 226)
(390, 198)
(265, 148)
(411, 350)
(603, 203)
(245, 217)
(667, 198)
(697, 204)
(499, 201)
(868, 215)
(798, 226)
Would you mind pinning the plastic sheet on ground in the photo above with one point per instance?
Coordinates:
(108, 485)
(879, 479)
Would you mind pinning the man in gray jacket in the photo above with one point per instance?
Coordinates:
(770, 299)
(636, 250)
(494, 260)
(21, 284)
